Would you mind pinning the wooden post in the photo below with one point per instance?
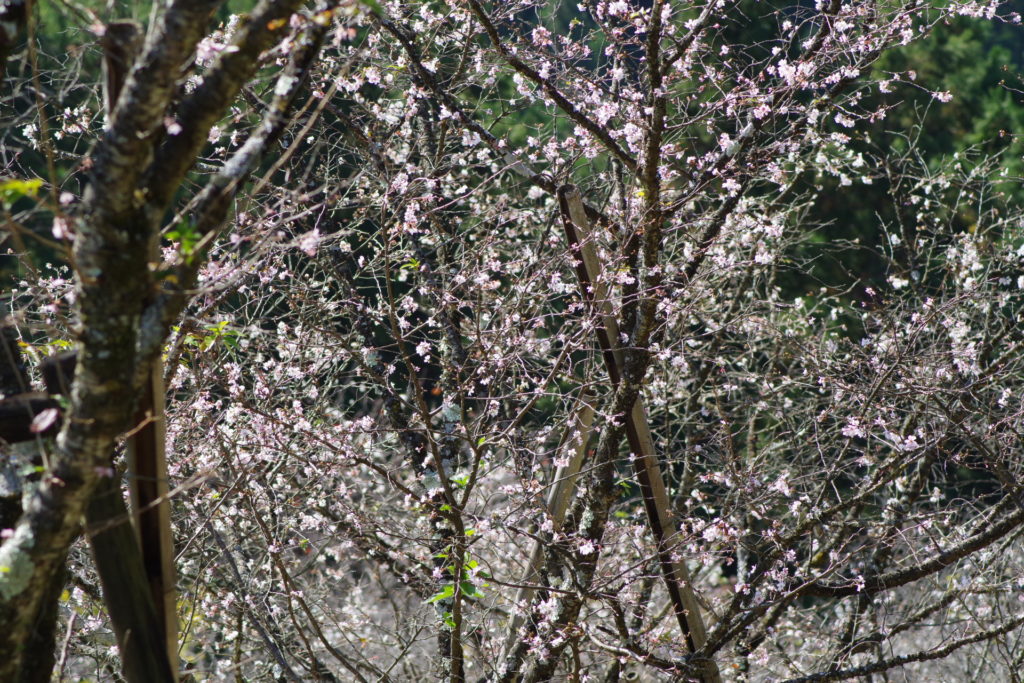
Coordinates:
(147, 472)
(126, 591)
(638, 433)
(127, 594)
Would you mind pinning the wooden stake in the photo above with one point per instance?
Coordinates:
(638, 433)
(151, 508)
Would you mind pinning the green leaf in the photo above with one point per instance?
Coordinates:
(13, 189)
(470, 591)
(187, 236)
(446, 592)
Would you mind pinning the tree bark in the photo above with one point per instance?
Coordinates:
(118, 334)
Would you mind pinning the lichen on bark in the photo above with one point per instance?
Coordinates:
(15, 563)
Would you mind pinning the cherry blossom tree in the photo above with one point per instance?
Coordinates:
(124, 299)
(518, 360)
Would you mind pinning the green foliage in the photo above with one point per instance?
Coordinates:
(217, 332)
(187, 237)
(967, 60)
(467, 588)
(12, 190)
(984, 120)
